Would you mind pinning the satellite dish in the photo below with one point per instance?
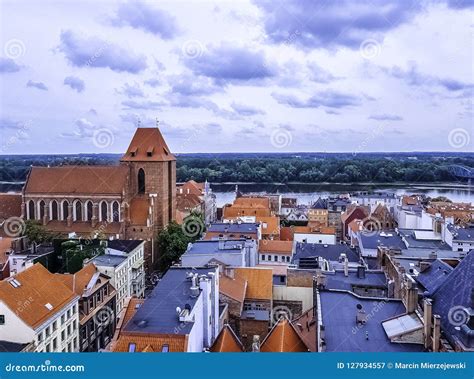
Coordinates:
(359, 307)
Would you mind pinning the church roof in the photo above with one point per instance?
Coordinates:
(283, 338)
(227, 342)
(81, 180)
(148, 145)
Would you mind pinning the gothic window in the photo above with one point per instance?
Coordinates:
(65, 209)
(104, 211)
(115, 211)
(141, 181)
(89, 210)
(41, 209)
(78, 210)
(54, 210)
(31, 210)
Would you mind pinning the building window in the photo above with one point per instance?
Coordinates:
(54, 210)
(78, 210)
(141, 181)
(104, 211)
(263, 257)
(31, 210)
(2, 319)
(89, 211)
(115, 211)
(65, 209)
(131, 347)
(42, 206)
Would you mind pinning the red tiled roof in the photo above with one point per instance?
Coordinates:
(227, 342)
(235, 288)
(40, 295)
(275, 246)
(10, 205)
(145, 141)
(283, 338)
(259, 282)
(80, 180)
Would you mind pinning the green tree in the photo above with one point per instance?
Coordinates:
(172, 242)
(35, 232)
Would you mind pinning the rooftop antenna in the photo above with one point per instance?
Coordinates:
(157, 123)
(139, 122)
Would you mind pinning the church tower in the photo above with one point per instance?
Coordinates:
(152, 181)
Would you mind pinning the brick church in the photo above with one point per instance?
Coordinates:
(133, 200)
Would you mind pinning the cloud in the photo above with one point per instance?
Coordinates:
(329, 98)
(385, 117)
(413, 77)
(83, 51)
(326, 24)
(144, 105)
(190, 85)
(8, 123)
(131, 91)
(38, 85)
(231, 63)
(246, 110)
(75, 83)
(8, 65)
(460, 4)
(153, 82)
(143, 16)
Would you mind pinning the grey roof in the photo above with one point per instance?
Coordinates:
(339, 281)
(157, 315)
(453, 300)
(109, 260)
(212, 246)
(328, 252)
(390, 239)
(409, 236)
(320, 204)
(343, 334)
(376, 195)
(461, 234)
(435, 275)
(126, 246)
(11, 347)
(227, 227)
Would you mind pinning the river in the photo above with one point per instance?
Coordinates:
(307, 193)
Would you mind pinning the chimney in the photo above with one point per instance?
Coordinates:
(427, 319)
(346, 266)
(195, 286)
(361, 272)
(256, 344)
(436, 333)
(221, 244)
(411, 295)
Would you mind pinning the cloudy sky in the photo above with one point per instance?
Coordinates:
(243, 76)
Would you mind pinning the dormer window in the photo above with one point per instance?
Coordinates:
(149, 152)
(133, 151)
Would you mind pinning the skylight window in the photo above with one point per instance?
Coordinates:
(49, 306)
(14, 283)
(131, 347)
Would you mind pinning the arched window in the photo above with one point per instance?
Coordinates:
(31, 210)
(42, 209)
(54, 210)
(141, 181)
(89, 210)
(78, 210)
(65, 209)
(115, 211)
(104, 211)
